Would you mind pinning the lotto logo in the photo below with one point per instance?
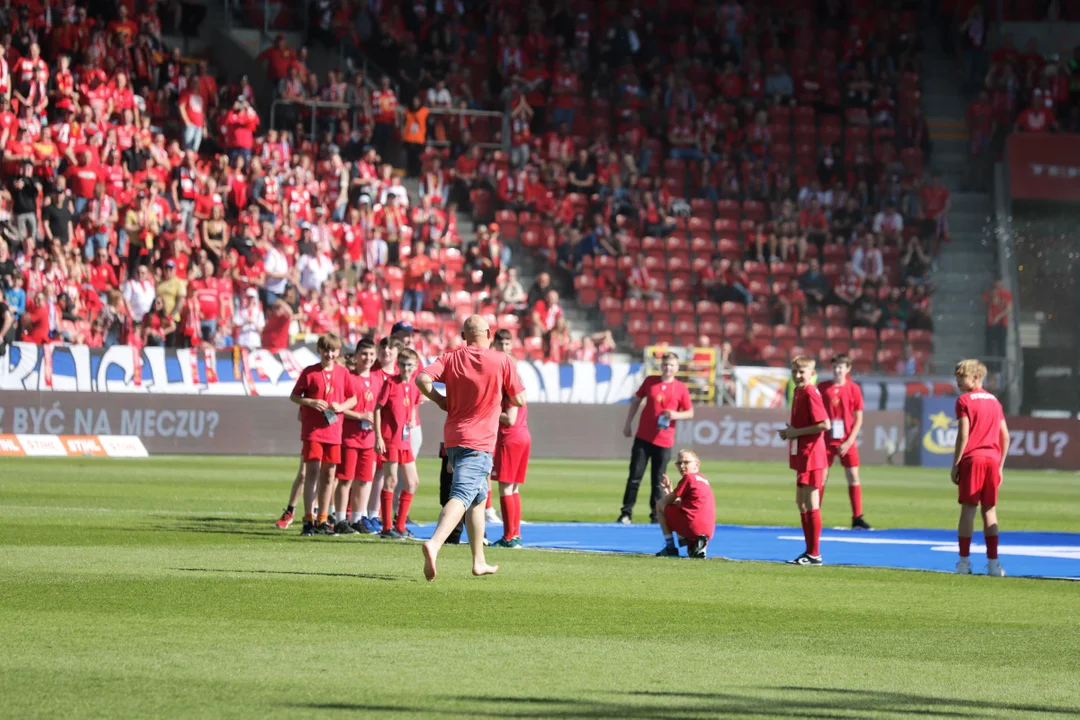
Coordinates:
(10, 447)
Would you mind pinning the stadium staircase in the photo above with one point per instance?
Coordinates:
(966, 266)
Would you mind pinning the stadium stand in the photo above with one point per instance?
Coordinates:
(755, 178)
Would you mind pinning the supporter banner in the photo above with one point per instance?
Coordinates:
(112, 446)
(1044, 167)
(765, 387)
(259, 373)
(179, 424)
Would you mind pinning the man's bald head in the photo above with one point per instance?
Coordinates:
(476, 331)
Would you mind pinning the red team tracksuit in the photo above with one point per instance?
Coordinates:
(321, 441)
(808, 457)
(397, 400)
(510, 465)
(358, 457)
(696, 513)
(841, 404)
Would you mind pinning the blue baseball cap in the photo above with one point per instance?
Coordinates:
(402, 326)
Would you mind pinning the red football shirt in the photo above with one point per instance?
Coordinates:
(367, 389)
(698, 503)
(331, 385)
(807, 452)
(477, 380)
(660, 396)
(396, 400)
(984, 413)
(520, 428)
(841, 404)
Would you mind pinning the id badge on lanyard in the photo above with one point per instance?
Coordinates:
(837, 430)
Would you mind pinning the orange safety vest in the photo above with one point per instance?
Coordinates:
(415, 130)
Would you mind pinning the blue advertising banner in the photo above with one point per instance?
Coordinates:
(937, 431)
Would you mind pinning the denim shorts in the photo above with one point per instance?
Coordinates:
(471, 470)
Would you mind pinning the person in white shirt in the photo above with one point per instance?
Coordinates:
(139, 293)
(889, 223)
(314, 268)
(867, 261)
(276, 265)
(249, 321)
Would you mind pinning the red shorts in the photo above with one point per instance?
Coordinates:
(357, 464)
(313, 450)
(979, 480)
(813, 478)
(402, 456)
(851, 460)
(511, 461)
(682, 525)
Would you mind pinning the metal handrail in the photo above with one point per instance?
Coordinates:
(1007, 271)
(329, 105)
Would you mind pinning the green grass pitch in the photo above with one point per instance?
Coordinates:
(160, 588)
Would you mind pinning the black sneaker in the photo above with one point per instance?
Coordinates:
(806, 559)
(325, 529)
(360, 527)
(408, 535)
(668, 552)
(624, 519)
(391, 534)
(309, 530)
(344, 528)
(697, 547)
(859, 524)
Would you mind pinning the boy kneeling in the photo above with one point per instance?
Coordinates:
(688, 511)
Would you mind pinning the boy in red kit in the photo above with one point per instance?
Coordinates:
(982, 443)
(385, 368)
(357, 469)
(393, 413)
(666, 400)
(844, 405)
(511, 461)
(323, 392)
(806, 454)
(688, 511)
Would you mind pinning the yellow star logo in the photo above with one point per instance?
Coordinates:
(941, 421)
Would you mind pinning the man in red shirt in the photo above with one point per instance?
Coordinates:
(982, 443)
(688, 511)
(511, 461)
(279, 59)
(998, 303)
(666, 400)
(102, 276)
(805, 436)
(358, 454)
(477, 380)
(936, 203)
(323, 391)
(393, 419)
(844, 406)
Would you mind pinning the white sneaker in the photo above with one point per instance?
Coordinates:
(492, 517)
(963, 566)
(994, 569)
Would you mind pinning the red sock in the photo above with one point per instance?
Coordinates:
(402, 510)
(814, 546)
(517, 514)
(805, 517)
(387, 498)
(991, 546)
(965, 547)
(855, 494)
(488, 505)
(507, 515)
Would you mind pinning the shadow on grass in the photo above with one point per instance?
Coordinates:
(807, 702)
(360, 576)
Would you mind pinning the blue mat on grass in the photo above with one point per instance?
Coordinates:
(1023, 554)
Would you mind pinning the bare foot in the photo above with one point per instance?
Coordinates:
(430, 553)
(485, 569)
